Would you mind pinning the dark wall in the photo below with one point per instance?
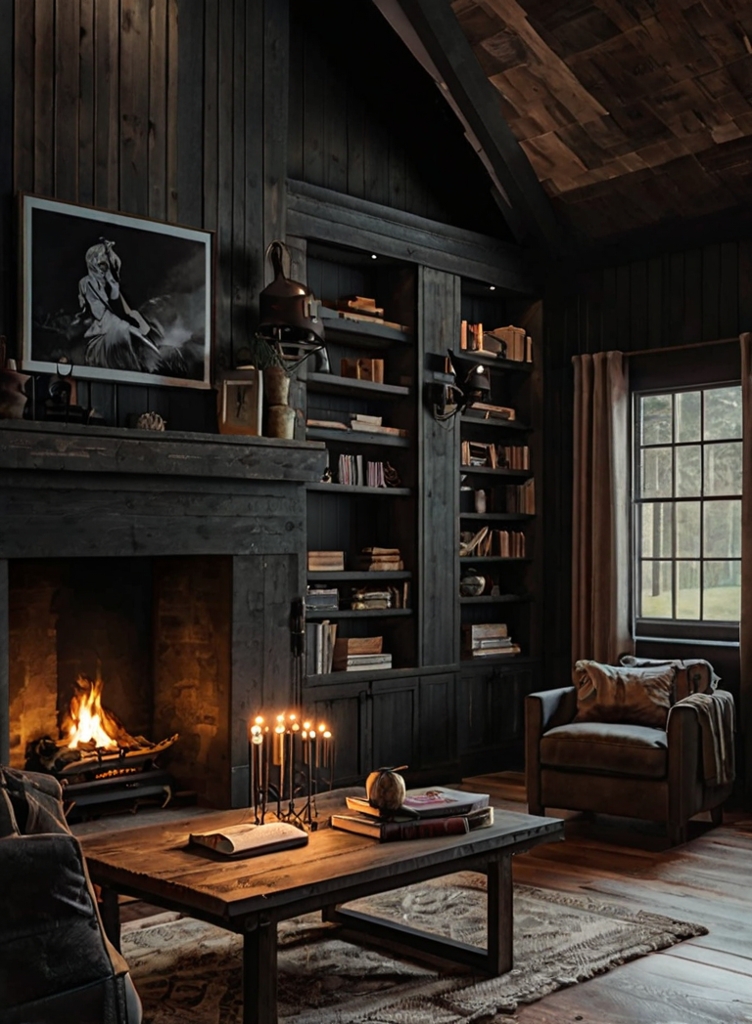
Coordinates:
(168, 109)
(678, 298)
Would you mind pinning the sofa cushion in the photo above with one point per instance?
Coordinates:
(693, 675)
(625, 694)
(634, 750)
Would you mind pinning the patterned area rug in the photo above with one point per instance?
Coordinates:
(189, 971)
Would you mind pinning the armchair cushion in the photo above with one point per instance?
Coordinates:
(625, 694)
(634, 750)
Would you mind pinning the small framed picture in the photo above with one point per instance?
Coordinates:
(240, 401)
(117, 298)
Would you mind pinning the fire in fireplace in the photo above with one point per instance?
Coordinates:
(96, 758)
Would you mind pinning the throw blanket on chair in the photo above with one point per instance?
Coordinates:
(715, 712)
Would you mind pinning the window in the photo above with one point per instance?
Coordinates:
(687, 485)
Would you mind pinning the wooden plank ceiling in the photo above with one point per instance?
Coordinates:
(633, 113)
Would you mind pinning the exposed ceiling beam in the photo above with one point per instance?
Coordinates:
(432, 33)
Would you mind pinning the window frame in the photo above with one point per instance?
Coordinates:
(707, 631)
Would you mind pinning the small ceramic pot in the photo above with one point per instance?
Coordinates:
(281, 421)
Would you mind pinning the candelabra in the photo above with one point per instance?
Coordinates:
(287, 756)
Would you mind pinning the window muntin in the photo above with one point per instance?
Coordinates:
(687, 485)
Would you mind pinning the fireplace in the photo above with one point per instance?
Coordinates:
(165, 565)
(154, 633)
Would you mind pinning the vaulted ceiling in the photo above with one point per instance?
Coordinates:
(633, 113)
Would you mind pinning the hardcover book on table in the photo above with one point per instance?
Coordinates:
(400, 828)
(249, 840)
(427, 802)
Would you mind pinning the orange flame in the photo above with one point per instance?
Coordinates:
(87, 722)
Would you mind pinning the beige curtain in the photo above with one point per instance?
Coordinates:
(745, 620)
(601, 627)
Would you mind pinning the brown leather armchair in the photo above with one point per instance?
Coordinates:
(55, 961)
(631, 770)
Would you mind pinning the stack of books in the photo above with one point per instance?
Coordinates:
(484, 639)
(320, 643)
(380, 559)
(360, 653)
(371, 598)
(322, 598)
(326, 561)
(425, 814)
(521, 497)
(373, 425)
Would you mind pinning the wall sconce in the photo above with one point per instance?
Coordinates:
(450, 393)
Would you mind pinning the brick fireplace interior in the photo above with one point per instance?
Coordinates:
(158, 630)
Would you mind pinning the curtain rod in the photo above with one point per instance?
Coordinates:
(678, 348)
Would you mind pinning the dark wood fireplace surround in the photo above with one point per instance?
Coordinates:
(234, 505)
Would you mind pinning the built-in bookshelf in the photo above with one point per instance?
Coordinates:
(363, 407)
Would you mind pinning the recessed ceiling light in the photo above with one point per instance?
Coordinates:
(374, 256)
(492, 287)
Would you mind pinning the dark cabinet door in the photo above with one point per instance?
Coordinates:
(393, 723)
(438, 723)
(491, 716)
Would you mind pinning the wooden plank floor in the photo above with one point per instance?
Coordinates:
(707, 880)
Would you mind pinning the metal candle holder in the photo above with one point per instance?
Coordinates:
(286, 757)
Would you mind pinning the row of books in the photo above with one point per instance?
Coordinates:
(320, 598)
(495, 456)
(370, 559)
(489, 411)
(425, 814)
(354, 471)
(503, 342)
(321, 638)
(521, 497)
(486, 639)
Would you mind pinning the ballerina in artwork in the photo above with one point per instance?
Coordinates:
(117, 337)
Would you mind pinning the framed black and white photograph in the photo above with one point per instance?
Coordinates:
(115, 297)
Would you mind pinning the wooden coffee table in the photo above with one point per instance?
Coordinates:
(252, 895)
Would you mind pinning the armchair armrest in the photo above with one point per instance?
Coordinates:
(550, 708)
(543, 710)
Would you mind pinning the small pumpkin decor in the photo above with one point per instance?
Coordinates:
(385, 789)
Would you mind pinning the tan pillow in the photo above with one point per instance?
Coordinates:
(623, 693)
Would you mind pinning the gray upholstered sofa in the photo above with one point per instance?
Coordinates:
(667, 773)
(56, 964)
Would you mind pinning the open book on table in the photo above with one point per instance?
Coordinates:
(249, 840)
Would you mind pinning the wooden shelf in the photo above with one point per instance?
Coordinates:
(353, 489)
(486, 559)
(341, 676)
(348, 613)
(330, 384)
(516, 474)
(477, 421)
(510, 365)
(501, 599)
(340, 575)
(495, 659)
(363, 333)
(498, 517)
(356, 437)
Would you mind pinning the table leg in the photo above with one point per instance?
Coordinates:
(110, 913)
(260, 972)
(499, 910)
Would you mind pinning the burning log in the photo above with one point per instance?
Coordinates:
(94, 740)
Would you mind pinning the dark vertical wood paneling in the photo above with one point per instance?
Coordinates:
(157, 122)
(67, 33)
(189, 128)
(134, 106)
(86, 105)
(692, 330)
(276, 42)
(728, 290)
(655, 302)
(242, 123)
(675, 303)
(22, 66)
(225, 154)
(745, 285)
(623, 309)
(638, 302)
(314, 70)
(7, 268)
(172, 105)
(609, 315)
(355, 145)
(44, 96)
(211, 117)
(335, 134)
(4, 665)
(438, 448)
(711, 280)
(107, 116)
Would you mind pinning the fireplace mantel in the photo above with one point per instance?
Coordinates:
(54, 446)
